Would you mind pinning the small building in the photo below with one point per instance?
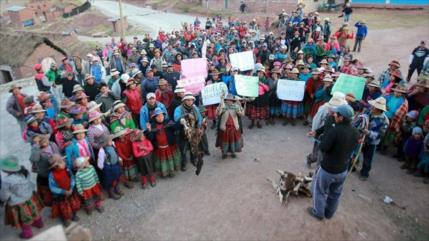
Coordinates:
(21, 16)
(19, 53)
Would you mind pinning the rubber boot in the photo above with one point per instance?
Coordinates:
(113, 195)
(152, 180)
(38, 223)
(143, 181)
(26, 233)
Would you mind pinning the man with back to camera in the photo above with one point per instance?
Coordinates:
(337, 146)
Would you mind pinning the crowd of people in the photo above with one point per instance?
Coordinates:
(119, 115)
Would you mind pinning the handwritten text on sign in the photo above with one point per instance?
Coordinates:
(292, 90)
(247, 85)
(350, 84)
(192, 84)
(211, 94)
(243, 61)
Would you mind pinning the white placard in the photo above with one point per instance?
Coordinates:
(292, 90)
(212, 93)
(243, 61)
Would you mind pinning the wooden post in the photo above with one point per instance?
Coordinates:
(122, 20)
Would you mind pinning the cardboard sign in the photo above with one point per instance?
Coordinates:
(211, 94)
(194, 67)
(292, 90)
(350, 84)
(243, 61)
(193, 84)
(247, 85)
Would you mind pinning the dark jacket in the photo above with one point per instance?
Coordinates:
(92, 90)
(337, 145)
(68, 87)
(169, 131)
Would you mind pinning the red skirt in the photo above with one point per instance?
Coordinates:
(211, 112)
(25, 213)
(44, 192)
(230, 139)
(93, 192)
(64, 207)
(257, 113)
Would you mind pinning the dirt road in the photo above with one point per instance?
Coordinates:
(231, 199)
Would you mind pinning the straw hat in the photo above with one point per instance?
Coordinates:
(379, 103)
(294, 71)
(395, 63)
(337, 99)
(9, 164)
(114, 72)
(374, 83)
(14, 86)
(162, 82)
(401, 88)
(43, 96)
(299, 62)
(328, 78)
(94, 115)
(188, 96)
(79, 128)
(77, 88)
(66, 103)
(88, 76)
(55, 160)
(118, 105)
(120, 131)
(92, 106)
(179, 89)
(37, 109)
(62, 122)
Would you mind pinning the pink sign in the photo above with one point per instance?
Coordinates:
(193, 84)
(194, 67)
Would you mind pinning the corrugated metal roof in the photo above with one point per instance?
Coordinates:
(15, 8)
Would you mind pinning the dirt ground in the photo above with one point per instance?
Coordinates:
(231, 200)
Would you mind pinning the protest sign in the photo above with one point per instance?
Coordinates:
(211, 94)
(292, 90)
(247, 85)
(350, 84)
(194, 67)
(192, 84)
(243, 61)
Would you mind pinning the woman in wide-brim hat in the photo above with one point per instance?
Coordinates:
(211, 109)
(274, 102)
(258, 109)
(121, 117)
(96, 131)
(22, 205)
(166, 155)
(397, 108)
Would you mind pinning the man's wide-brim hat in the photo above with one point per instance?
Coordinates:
(337, 99)
(9, 164)
(395, 63)
(379, 103)
(94, 115)
(14, 86)
(400, 88)
(77, 88)
(374, 83)
(37, 109)
(188, 96)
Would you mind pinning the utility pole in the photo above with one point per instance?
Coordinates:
(122, 20)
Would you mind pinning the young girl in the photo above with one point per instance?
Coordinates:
(258, 109)
(39, 158)
(22, 204)
(229, 133)
(63, 129)
(121, 117)
(108, 162)
(79, 147)
(88, 186)
(125, 152)
(166, 157)
(133, 99)
(142, 151)
(66, 203)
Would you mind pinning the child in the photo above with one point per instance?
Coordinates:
(125, 152)
(88, 186)
(292, 110)
(40, 154)
(63, 129)
(23, 205)
(229, 133)
(166, 157)
(412, 149)
(121, 117)
(108, 162)
(66, 203)
(142, 151)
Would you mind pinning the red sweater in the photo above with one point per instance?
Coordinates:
(124, 148)
(134, 100)
(142, 148)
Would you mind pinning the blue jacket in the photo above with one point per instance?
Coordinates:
(144, 114)
(72, 152)
(149, 85)
(229, 81)
(362, 29)
(53, 186)
(178, 114)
